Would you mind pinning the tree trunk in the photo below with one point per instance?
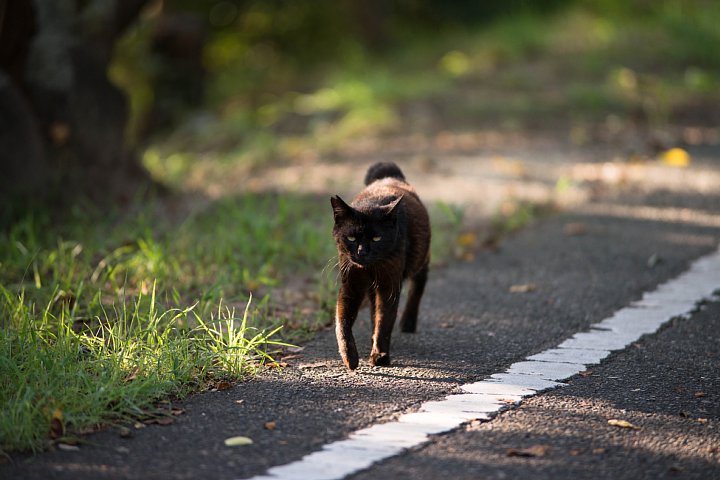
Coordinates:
(62, 122)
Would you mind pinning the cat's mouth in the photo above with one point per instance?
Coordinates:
(361, 262)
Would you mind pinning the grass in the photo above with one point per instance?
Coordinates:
(60, 380)
(103, 317)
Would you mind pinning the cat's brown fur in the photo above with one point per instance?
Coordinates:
(383, 238)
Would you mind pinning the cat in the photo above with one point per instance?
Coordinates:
(383, 238)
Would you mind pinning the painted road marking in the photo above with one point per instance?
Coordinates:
(537, 373)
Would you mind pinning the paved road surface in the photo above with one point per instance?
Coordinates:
(472, 326)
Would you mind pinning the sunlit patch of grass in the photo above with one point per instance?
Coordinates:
(68, 368)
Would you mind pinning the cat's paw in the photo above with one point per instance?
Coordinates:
(351, 363)
(379, 359)
(350, 359)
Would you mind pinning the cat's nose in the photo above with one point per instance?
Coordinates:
(361, 251)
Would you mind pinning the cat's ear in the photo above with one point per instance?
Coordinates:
(391, 208)
(340, 208)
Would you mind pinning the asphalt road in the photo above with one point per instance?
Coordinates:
(585, 264)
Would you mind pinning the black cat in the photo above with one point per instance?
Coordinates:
(383, 237)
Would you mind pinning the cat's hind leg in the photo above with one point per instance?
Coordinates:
(408, 322)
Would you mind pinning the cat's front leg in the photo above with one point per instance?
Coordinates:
(387, 300)
(348, 304)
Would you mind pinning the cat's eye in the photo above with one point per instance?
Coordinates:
(376, 238)
(351, 238)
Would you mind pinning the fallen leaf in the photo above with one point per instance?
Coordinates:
(701, 420)
(238, 441)
(223, 385)
(598, 450)
(585, 373)
(523, 288)
(290, 357)
(57, 426)
(446, 325)
(239, 402)
(622, 424)
(574, 229)
(159, 421)
(67, 447)
(139, 425)
(534, 451)
(698, 394)
(574, 453)
(270, 425)
(276, 365)
(675, 157)
(176, 411)
(124, 432)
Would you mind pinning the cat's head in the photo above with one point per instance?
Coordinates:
(366, 235)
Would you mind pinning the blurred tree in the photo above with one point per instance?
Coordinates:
(61, 121)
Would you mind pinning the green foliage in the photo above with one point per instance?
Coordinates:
(87, 330)
(81, 366)
(287, 81)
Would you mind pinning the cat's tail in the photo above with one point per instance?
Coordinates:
(383, 170)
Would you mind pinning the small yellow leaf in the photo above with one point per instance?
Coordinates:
(238, 441)
(467, 239)
(675, 157)
(623, 424)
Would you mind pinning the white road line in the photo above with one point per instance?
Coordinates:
(526, 378)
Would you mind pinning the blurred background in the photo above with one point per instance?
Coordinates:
(97, 97)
